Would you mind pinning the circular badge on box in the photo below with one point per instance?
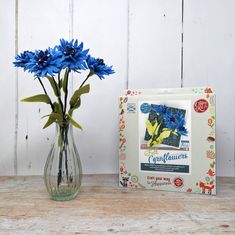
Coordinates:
(134, 178)
(200, 106)
(178, 182)
(145, 108)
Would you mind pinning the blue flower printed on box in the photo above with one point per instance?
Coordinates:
(165, 125)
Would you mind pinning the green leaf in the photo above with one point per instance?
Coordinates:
(149, 127)
(76, 95)
(163, 135)
(175, 133)
(165, 129)
(76, 106)
(156, 128)
(37, 98)
(73, 122)
(57, 116)
(54, 85)
(49, 121)
(58, 108)
(154, 143)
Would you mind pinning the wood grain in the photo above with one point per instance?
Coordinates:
(104, 208)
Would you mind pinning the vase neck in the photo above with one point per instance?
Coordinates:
(64, 133)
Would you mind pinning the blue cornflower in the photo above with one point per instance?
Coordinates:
(181, 130)
(23, 58)
(181, 124)
(98, 67)
(160, 109)
(44, 63)
(175, 121)
(73, 56)
(170, 120)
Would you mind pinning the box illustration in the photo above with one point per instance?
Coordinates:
(167, 140)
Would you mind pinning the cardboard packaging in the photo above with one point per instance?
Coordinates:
(167, 140)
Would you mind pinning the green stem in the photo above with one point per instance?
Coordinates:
(52, 107)
(89, 75)
(58, 94)
(66, 89)
(66, 152)
(63, 153)
(59, 81)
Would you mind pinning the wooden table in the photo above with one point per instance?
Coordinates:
(104, 208)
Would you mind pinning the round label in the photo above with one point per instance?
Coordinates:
(178, 182)
(134, 178)
(145, 108)
(200, 106)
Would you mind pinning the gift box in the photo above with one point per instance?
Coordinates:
(167, 140)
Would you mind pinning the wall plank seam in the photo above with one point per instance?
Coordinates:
(16, 92)
(182, 45)
(71, 35)
(128, 44)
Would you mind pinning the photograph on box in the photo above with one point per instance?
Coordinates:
(165, 136)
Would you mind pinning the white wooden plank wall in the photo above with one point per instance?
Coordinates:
(7, 87)
(154, 43)
(209, 60)
(143, 40)
(102, 26)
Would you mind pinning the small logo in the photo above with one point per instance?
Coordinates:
(134, 178)
(200, 106)
(131, 108)
(178, 182)
(145, 108)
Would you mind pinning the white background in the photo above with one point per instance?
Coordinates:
(143, 40)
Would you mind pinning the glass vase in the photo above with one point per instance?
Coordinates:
(63, 170)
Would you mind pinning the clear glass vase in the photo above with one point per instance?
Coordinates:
(63, 170)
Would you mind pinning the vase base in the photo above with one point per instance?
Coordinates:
(64, 197)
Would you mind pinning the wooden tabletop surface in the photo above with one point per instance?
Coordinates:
(103, 207)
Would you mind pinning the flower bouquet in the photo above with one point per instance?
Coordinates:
(63, 171)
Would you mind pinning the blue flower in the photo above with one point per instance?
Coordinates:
(181, 130)
(170, 120)
(98, 67)
(44, 62)
(175, 121)
(72, 55)
(160, 109)
(181, 124)
(23, 58)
